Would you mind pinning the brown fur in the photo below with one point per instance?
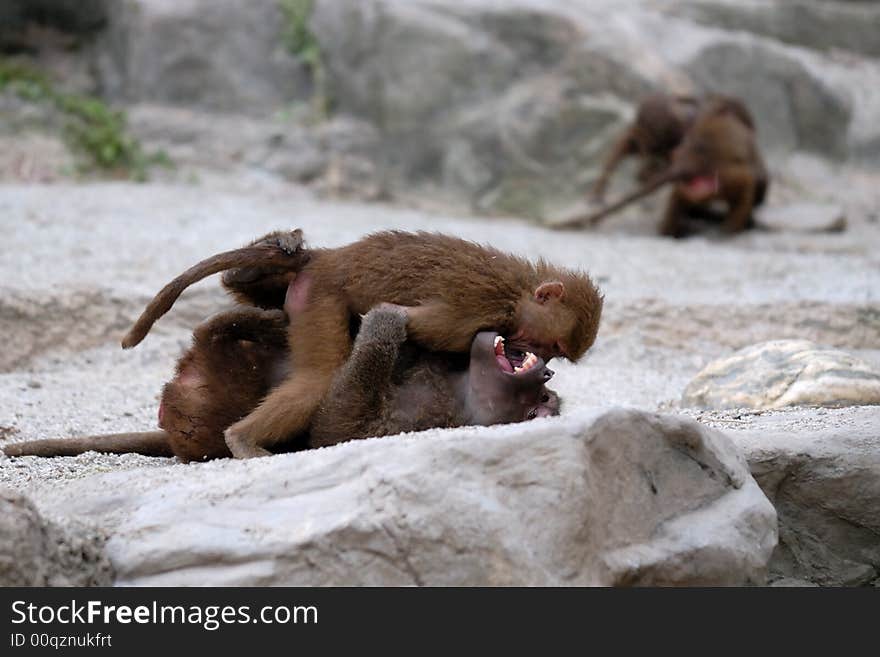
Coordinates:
(719, 147)
(277, 252)
(386, 387)
(723, 145)
(452, 289)
(661, 123)
(659, 126)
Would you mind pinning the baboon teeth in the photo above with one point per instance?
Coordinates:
(528, 363)
(499, 346)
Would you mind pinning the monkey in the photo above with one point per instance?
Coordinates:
(452, 290)
(433, 389)
(658, 128)
(230, 366)
(718, 159)
(388, 385)
(662, 121)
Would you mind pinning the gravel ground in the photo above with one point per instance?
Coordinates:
(80, 261)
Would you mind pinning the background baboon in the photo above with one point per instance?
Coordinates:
(660, 125)
(718, 160)
(658, 128)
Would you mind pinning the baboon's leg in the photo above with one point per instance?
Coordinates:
(320, 344)
(739, 190)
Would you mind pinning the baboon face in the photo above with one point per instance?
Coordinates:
(558, 320)
(506, 383)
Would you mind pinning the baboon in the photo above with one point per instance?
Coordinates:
(718, 160)
(660, 124)
(388, 385)
(452, 289)
(662, 121)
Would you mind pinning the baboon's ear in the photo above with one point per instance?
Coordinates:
(549, 290)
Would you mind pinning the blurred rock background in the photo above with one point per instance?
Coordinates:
(486, 106)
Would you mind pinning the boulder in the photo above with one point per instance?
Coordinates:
(493, 108)
(621, 498)
(404, 65)
(34, 552)
(821, 26)
(784, 373)
(220, 55)
(794, 107)
(526, 153)
(825, 485)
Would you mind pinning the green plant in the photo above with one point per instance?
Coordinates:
(91, 128)
(297, 36)
(301, 42)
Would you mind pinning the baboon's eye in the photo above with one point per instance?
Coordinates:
(545, 398)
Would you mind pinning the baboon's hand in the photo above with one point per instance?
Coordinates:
(385, 323)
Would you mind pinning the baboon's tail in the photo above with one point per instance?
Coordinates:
(281, 252)
(148, 443)
(648, 188)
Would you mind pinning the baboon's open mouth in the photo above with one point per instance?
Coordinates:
(513, 361)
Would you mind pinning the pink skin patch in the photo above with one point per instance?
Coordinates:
(297, 295)
(700, 188)
(188, 377)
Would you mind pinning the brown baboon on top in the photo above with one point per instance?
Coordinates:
(452, 290)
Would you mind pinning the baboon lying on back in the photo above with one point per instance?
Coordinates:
(388, 385)
(452, 289)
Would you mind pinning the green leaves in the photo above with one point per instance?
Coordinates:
(91, 128)
(300, 41)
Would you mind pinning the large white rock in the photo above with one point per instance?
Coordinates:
(624, 498)
(822, 473)
(784, 373)
(219, 55)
